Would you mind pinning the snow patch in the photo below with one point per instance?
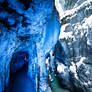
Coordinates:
(61, 68)
(80, 62)
(65, 34)
(59, 7)
(73, 69)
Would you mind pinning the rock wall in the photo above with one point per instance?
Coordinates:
(31, 26)
(75, 47)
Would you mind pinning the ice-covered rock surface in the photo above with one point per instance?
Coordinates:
(30, 26)
(75, 46)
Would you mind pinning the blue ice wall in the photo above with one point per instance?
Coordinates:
(52, 33)
(27, 25)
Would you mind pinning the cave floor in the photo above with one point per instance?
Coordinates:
(20, 82)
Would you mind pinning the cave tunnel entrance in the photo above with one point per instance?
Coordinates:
(19, 59)
(19, 80)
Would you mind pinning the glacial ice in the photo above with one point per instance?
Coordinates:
(33, 29)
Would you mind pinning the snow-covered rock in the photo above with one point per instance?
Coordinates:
(63, 73)
(76, 33)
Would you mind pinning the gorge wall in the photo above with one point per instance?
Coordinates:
(29, 30)
(73, 51)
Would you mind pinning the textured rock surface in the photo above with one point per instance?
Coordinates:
(67, 4)
(75, 46)
(30, 26)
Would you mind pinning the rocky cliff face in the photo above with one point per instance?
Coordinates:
(73, 52)
(27, 26)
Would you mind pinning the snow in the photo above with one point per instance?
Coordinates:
(87, 25)
(65, 34)
(61, 68)
(89, 82)
(72, 11)
(47, 61)
(87, 72)
(88, 21)
(80, 62)
(59, 7)
(75, 65)
(72, 68)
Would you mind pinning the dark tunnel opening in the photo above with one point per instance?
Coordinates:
(19, 81)
(19, 59)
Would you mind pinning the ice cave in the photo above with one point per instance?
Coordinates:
(45, 45)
